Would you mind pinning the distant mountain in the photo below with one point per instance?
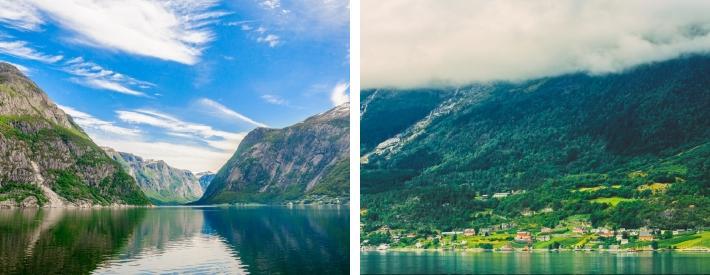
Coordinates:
(160, 182)
(47, 159)
(627, 150)
(205, 178)
(303, 161)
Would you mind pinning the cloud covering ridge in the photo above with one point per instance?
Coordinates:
(413, 43)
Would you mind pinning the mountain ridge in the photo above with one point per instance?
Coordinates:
(278, 165)
(48, 160)
(162, 183)
(557, 134)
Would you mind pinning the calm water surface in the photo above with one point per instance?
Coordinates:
(535, 263)
(200, 240)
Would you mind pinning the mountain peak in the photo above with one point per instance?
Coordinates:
(9, 68)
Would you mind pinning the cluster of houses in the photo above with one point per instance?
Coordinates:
(620, 236)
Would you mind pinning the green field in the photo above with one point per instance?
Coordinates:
(613, 201)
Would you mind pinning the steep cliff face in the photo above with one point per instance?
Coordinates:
(205, 178)
(162, 183)
(46, 159)
(275, 165)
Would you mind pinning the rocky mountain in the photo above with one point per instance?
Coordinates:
(162, 183)
(205, 178)
(606, 147)
(306, 160)
(46, 159)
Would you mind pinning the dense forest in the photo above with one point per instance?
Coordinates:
(629, 149)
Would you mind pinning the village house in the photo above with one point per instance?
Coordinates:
(678, 232)
(418, 245)
(505, 226)
(484, 231)
(614, 247)
(606, 233)
(546, 230)
(527, 213)
(619, 237)
(624, 241)
(546, 210)
(469, 232)
(543, 238)
(383, 247)
(411, 235)
(500, 195)
(645, 236)
(523, 236)
(579, 230)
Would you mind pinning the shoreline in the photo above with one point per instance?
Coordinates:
(120, 206)
(481, 250)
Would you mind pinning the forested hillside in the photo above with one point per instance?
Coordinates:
(603, 147)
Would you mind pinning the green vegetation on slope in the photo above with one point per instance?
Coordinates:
(19, 192)
(560, 145)
(119, 187)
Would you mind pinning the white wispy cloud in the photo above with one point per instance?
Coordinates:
(260, 34)
(199, 147)
(271, 4)
(91, 123)
(21, 15)
(217, 143)
(222, 111)
(184, 156)
(92, 75)
(173, 124)
(274, 99)
(20, 49)
(176, 30)
(339, 93)
(271, 39)
(420, 43)
(307, 18)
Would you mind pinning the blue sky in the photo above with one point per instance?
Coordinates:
(182, 81)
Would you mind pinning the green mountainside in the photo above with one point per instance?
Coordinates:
(161, 183)
(625, 150)
(306, 162)
(48, 160)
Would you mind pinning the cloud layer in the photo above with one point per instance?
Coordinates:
(93, 75)
(174, 30)
(222, 111)
(339, 93)
(186, 145)
(414, 43)
(20, 49)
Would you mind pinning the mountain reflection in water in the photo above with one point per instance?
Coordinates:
(234, 240)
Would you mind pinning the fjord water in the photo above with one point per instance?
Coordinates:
(231, 240)
(376, 262)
